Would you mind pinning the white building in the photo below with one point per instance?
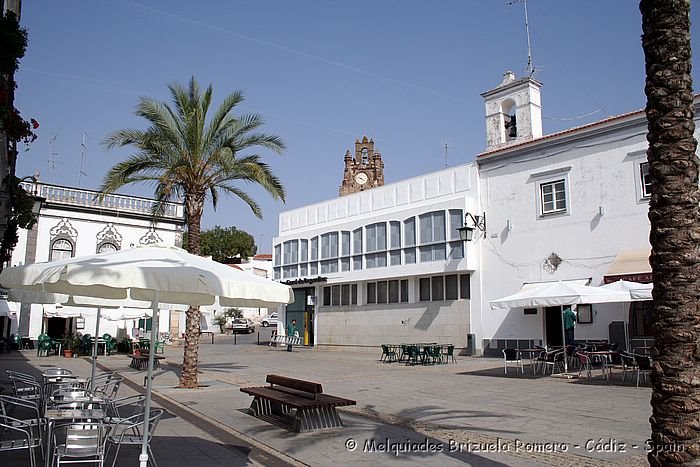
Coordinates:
(75, 222)
(386, 264)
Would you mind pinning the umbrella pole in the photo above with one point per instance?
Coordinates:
(563, 339)
(94, 350)
(143, 458)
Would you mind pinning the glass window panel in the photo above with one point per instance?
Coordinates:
(278, 255)
(345, 248)
(335, 295)
(356, 263)
(345, 264)
(353, 296)
(426, 228)
(409, 231)
(456, 250)
(404, 291)
(345, 294)
(276, 274)
(439, 252)
(437, 288)
(456, 221)
(426, 254)
(395, 234)
(314, 248)
(646, 179)
(409, 255)
(371, 292)
(451, 289)
(439, 226)
(303, 270)
(313, 269)
(326, 296)
(371, 238)
(334, 244)
(395, 258)
(381, 292)
(424, 289)
(303, 250)
(464, 286)
(357, 241)
(394, 291)
(381, 236)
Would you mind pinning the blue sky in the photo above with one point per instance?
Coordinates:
(322, 73)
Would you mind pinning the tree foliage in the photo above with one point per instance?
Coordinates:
(221, 243)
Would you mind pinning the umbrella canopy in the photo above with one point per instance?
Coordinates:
(559, 293)
(637, 290)
(126, 313)
(158, 274)
(179, 277)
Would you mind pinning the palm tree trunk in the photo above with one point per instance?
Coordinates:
(188, 378)
(675, 233)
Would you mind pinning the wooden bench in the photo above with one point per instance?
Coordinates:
(140, 362)
(295, 404)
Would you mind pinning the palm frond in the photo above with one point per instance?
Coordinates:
(234, 191)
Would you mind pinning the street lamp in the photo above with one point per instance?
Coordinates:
(466, 233)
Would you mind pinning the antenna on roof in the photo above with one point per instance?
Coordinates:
(445, 153)
(83, 151)
(530, 65)
(52, 158)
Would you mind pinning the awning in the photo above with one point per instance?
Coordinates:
(530, 285)
(58, 311)
(8, 309)
(630, 265)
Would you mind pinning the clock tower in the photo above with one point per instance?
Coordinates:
(364, 171)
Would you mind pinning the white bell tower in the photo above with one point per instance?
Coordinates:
(513, 111)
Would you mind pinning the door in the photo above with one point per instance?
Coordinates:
(553, 326)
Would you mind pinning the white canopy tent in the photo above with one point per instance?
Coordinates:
(558, 294)
(638, 291)
(157, 274)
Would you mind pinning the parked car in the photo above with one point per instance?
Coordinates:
(270, 320)
(242, 325)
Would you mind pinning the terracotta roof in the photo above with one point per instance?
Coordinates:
(564, 132)
(235, 266)
(263, 256)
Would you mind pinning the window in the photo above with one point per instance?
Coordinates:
(584, 313)
(451, 292)
(409, 256)
(424, 289)
(404, 291)
(432, 253)
(313, 269)
(395, 234)
(291, 252)
(376, 260)
(345, 243)
(329, 266)
(278, 255)
(357, 241)
(107, 247)
(438, 288)
(329, 245)
(314, 248)
(456, 221)
(356, 263)
(393, 291)
(371, 292)
(382, 292)
(326, 296)
(304, 250)
(432, 227)
(335, 295)
(345, 294)
(385, 291)
(645, 179)
(409, 231)
(395, 258)
(553, 197)
(464, 286)
(376, 237)
(303, 270)
(61, 249)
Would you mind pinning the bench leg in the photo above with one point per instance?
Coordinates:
(316, 418)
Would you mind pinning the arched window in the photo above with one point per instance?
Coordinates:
(107, 247)
(61, 249)
(365, 156)
(509, 123)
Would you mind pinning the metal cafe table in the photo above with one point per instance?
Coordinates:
(69, 415)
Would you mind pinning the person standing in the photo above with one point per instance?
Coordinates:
(291, 332)
(569, 325)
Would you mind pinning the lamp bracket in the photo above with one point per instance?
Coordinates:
(478, 221)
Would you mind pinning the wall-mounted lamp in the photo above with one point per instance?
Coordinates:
(509, 225)
(466, 233)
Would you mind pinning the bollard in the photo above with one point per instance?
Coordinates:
(258, 337)
(235, 336)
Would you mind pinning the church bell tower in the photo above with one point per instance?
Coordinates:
(364, 171)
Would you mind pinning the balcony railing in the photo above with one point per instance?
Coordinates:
(89, 198)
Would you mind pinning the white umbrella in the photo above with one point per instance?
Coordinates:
(124, 313)
(636, 290)
(158, 274)
(558, 294)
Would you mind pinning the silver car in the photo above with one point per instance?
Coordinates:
(270, 320)
(242, 325)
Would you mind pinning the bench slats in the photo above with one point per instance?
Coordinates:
(298, 384)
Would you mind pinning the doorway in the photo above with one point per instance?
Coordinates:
(553, 326)
(303, 312)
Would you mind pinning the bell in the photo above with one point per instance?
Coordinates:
(513, 132)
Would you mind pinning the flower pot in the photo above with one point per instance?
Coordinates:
(68, 353)
(137, 352)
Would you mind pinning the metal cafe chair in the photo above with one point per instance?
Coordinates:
(512, 356)
(129, 432)
(17, 435)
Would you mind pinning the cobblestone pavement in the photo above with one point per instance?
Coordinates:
(464, 413)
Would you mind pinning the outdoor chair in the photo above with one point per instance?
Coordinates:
(109, 388)
(125, 407)
(17, 435)
(388, 354)
(584, 364)
(16, 341)
(129, 432)
(159, 347)
(412, 354)
(512, 356)
(80, 443)
(27, 412)
(628, 364)
(44, 348)
(551, 359)
(450, 353)
(643, 366)
(26, 388)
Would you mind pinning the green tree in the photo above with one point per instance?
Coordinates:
(675, 233)
(187, 158)
(221, 243)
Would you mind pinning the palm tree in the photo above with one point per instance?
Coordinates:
(675, 233)
(185, 157)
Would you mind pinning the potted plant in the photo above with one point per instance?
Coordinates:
(71, 346)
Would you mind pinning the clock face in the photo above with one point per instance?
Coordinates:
(361, 178)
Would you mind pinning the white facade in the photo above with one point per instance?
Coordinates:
(74, 222)
(360, 283)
